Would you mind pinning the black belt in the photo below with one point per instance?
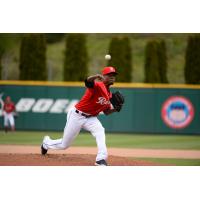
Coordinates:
(83, 114)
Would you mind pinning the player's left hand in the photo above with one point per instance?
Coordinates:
(117, 101)
(16, 114)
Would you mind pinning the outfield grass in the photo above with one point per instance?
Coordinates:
(112, 140)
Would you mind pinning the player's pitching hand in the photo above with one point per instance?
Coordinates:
(100, 77)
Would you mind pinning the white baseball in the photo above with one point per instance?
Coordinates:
(107, 57)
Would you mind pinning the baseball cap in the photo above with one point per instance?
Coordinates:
(108, 70)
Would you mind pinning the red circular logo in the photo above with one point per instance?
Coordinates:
(177, 112)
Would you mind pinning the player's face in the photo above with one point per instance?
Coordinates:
(109, 78)
(8, 99)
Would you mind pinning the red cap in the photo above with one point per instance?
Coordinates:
(108, 70)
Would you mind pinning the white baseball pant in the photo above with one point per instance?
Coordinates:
(9, 119)
(76, 122)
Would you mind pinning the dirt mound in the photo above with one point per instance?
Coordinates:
(65, 160)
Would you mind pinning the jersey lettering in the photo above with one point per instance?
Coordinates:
(103, 101)
(95, 100)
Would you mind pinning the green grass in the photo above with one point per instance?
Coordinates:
(113, 140)
(173, 161)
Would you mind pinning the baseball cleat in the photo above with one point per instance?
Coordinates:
(43, 150)
(101, 163)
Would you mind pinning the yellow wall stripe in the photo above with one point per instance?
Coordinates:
(81, 84)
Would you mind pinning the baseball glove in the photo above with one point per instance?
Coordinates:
(117, 101)
(16, 115)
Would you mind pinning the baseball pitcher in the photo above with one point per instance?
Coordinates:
(96, 99)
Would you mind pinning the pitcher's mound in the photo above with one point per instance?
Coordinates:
(65, 160)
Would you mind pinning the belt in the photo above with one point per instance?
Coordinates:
(83, 114)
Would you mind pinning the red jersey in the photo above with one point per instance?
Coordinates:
(9, 107)
(95, 99)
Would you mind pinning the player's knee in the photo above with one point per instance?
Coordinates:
(64, 146)
(101, 130)
(100, 133)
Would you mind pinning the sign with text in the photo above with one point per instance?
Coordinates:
(147, 110)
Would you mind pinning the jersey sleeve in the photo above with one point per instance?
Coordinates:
(92, 84)
(89, 84)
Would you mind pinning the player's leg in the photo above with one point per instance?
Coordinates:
(71, 130)
(94, 126)
(11, 121)
(6, 122)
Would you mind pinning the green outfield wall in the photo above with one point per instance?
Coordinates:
(149, 108)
